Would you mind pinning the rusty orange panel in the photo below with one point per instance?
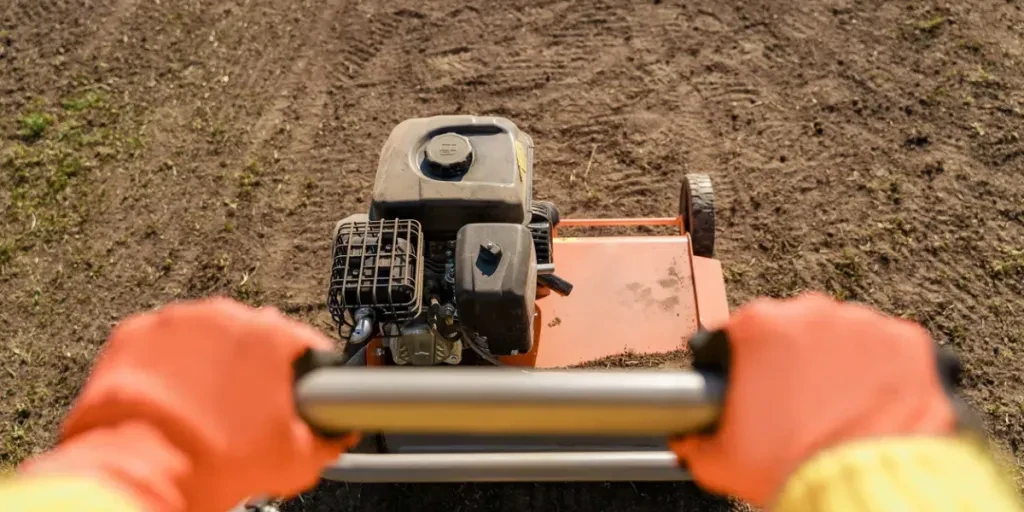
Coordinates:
(631, 294)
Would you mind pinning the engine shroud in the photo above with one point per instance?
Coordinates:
(427, 174)
(496, 284)
(415, 271)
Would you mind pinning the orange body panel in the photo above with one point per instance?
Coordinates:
(595, 223)
(712, 303)
(639, 294)
(631, 294)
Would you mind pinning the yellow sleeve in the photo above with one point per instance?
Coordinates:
(59, 494)
(928, 475)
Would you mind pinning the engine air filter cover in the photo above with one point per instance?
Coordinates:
(378, 265)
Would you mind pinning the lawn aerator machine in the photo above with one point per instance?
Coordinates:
(464, 311)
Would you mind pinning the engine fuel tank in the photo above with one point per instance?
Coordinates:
(449, 171)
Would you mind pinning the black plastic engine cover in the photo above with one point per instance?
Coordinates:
(496, 285)
(449, 171)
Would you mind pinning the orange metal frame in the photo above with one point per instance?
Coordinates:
(638, 294)
(621, 222)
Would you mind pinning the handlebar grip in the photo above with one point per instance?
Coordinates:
(504, 400)
(476, 400)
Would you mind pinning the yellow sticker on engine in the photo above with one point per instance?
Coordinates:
(521, 160)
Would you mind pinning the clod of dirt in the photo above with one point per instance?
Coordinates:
(917, 141)
(933, 170)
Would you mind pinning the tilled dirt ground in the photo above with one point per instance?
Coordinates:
(154, 150)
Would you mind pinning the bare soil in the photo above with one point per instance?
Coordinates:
(157, 150)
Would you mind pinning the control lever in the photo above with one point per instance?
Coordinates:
(555, 283)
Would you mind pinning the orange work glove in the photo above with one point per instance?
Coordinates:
(807, 374)
(191, 408)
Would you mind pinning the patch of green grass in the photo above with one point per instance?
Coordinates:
(933, 24)
(849, 265)
(70, 131)
(895, 192)
(218, 133)
(14, 442)
(972, 45)
(249, 178)
(6, 253)
(310, 185)
(66, 169)
(40, 174)
(88, 100)
(33, 125)
(247, 291)
(846, 276)
(167, 265)
(980, 76)
(97, 136)
(1011, 266)
(58, 148)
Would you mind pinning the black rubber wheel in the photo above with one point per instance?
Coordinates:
(697, 206)
(549, 210)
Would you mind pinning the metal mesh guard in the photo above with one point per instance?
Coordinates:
(378, 265)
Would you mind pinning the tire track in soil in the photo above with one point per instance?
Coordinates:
(107, 31)
(168, 74)
(358, 52)
(583, 42)
(354, 40)
(615, 108)
(302, 91)
(32, 12)
(562, 44)
(354, 59)
(254, 50)
(46, 36)
(305, 92)
(252, 69)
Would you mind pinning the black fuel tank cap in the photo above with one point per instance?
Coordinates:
(449, 154)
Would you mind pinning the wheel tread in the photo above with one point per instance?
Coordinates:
(697, 206)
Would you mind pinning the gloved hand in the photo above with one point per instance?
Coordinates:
(807, 374)
(191, 408)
